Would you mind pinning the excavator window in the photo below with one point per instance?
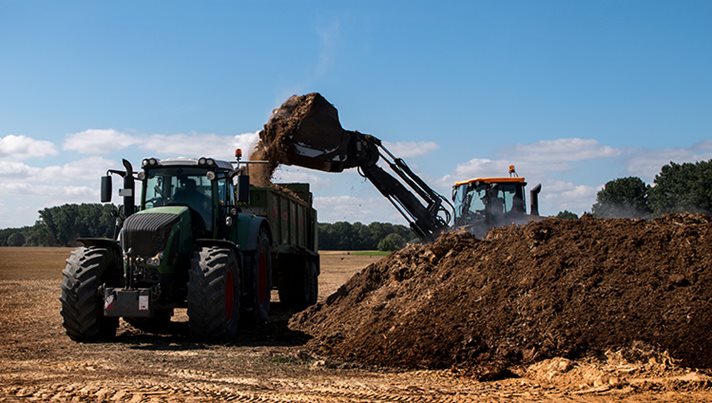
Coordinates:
(481, 199)
(513, 197)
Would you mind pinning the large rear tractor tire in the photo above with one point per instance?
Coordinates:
(214, 295)
(82, 304)
(299, 286)
(259, 266)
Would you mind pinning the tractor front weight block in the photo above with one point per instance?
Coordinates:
(135, 303)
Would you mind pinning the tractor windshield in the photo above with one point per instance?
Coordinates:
(181, 186)
(483, 199)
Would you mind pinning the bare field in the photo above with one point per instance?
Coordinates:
(38, 362)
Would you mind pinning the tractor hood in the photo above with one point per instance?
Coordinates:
(148, 232)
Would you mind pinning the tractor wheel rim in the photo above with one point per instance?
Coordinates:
(229, 295)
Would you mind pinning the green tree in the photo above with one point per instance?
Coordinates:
(683, 187)
(567, 215)
(392, 241)
(622, 197)
(64, 224)
(357, 236)
(16, 239)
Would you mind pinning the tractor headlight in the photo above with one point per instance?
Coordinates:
(155, 260)
(210, 175)
(149, 162)
(210, 161)
(202, 161)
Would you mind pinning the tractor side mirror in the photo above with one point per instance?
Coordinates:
(105, 189)
(243, 188)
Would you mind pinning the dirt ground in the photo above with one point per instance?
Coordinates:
(38, 362)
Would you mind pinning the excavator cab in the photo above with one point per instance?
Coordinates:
(483, 203)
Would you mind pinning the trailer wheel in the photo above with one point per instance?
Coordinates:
(259, 264)
(214, 295)
(82, 305)
(299, 287)
(313, 284)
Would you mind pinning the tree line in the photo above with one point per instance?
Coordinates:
(683, 187)
(342, 235)
(677, 188)
(62, 225)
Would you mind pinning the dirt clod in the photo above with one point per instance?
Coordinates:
(553, 288)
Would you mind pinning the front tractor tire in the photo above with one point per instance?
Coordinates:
(214, 295)
(87, 269)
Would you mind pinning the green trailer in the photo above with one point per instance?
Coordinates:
(293, 223)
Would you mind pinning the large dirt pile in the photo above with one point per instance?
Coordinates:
(525, 293)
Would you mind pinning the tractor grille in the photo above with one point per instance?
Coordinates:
(147, 233)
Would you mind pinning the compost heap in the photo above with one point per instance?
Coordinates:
(568, 288)
(301, 117)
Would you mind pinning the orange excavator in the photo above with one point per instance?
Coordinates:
(305, 131)
(483, 203)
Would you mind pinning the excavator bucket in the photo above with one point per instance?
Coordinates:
(305, 131)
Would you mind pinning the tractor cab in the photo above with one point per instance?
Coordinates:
(483, 203)
(204, 185)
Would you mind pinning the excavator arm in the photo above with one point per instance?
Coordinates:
(419, 204)
(305, 131)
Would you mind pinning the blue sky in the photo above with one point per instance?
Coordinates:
(574, 92)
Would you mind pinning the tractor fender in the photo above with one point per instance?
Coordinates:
(108, 243)
(207, 242)
(249, 227)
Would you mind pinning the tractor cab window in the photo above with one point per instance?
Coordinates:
(226, 189)
(180, 186)
(469, 200)
(512, 196)
(488, 199)
(506, 198)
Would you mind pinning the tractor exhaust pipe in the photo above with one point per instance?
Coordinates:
(534, 197)
(128, 191)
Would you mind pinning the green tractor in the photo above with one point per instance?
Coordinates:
(203, 239)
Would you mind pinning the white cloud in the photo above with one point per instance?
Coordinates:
(410, 149)
(561, 195)
(199, 145)
(27, 189)
(104, 141)
(481, 167)
(564, 150)
(350, 208)
(17, 147)
(90, 168)
(99, 141)
(647, 163)
(14, 169)
(23, 177)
